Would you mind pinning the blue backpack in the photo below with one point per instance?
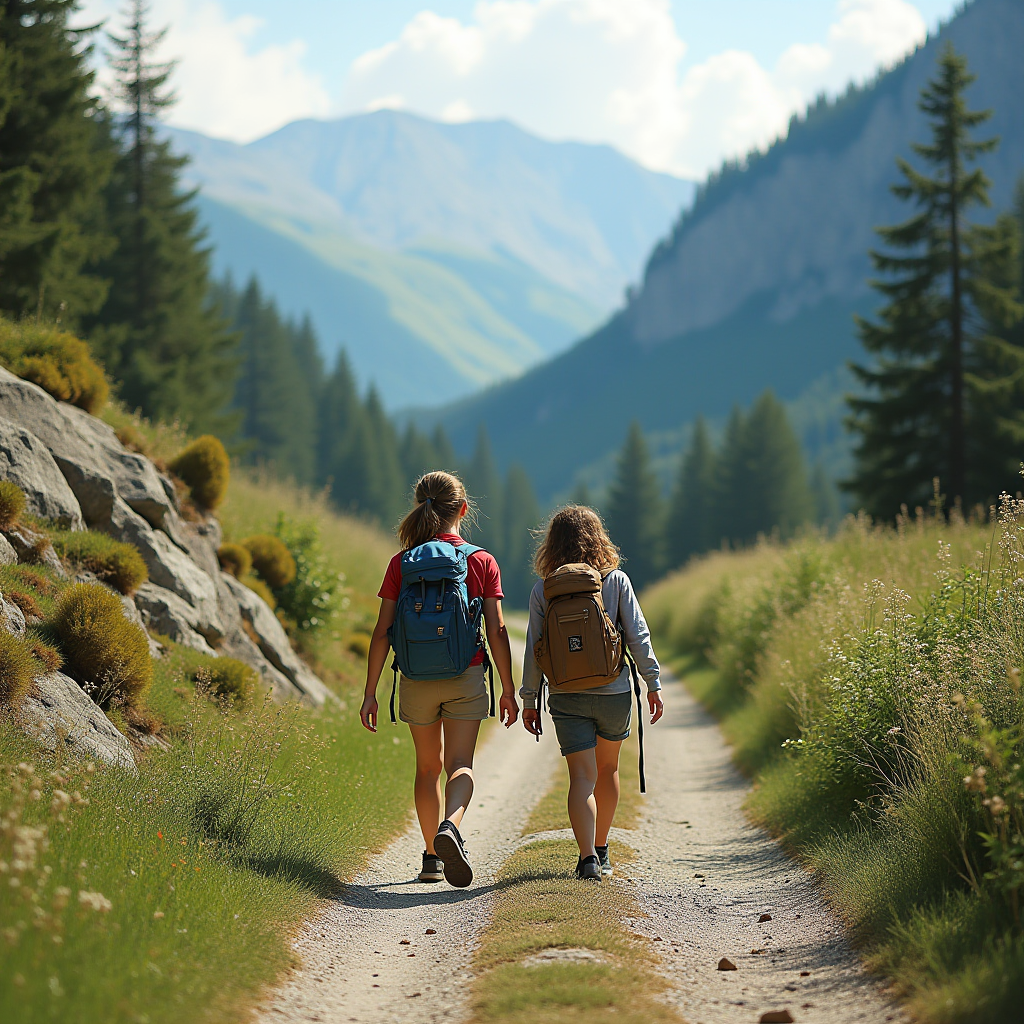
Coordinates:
(437, 629)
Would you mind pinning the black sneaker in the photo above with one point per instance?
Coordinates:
(606, 864)
(433, 868)
(448, 844)
(589, 869)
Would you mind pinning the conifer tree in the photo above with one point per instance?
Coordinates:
(762, 482)
(940, 341)
(273, 392)
(387, 490)
(416, 454)
(520, 517)
(484, 486)
(446, 457)
(635, 518)
(159, 331)
(689, 529)
(826, 501)
(339, 412)
(55, 158)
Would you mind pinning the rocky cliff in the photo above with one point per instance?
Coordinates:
(75, 473)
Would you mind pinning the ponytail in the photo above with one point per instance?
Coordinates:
(439, 499)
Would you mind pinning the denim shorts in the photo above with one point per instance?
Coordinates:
(581, 717)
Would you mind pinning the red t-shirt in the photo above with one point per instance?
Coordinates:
(483, 577)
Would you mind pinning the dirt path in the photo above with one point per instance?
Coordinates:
(354, 966)
(693, 824)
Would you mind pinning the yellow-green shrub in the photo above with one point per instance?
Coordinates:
(271, 559)
(234, 559)
(101, 646)
(48, 657)
(58, 362)
(17, 667)
(205, 469)
(112, 561)
(257, 586)
(359, 644)
(228, 679)
(12, 504)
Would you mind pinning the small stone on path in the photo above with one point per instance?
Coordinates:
(776, 1017)
(763, 918)
(725, 964)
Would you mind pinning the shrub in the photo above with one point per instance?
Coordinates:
(359, 644)
(132, 438)
(205, 469)
(17, 668)
(58, 362)
(100, 645)
(26, 602)
(271, 560)
(228, 679)
(311, 599)
(48, 657)
(257, 586)
(112, 561)
(12, 504)
(234, 559)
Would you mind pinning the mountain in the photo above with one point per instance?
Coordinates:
(466, 251)
(756, 285)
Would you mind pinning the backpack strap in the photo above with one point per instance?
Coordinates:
(639, 716)
(394, 687)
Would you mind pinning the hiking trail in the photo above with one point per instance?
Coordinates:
(357, 967)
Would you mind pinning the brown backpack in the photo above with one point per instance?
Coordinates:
(581, 648)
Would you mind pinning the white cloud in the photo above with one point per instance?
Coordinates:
(610, 71)
(225, 87)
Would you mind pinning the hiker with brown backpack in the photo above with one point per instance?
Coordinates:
(588, 641)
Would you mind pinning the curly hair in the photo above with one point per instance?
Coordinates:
(439, 498)
(575, 534)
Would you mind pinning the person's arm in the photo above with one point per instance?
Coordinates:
(375, 660)
(501, 653)
(532, 675)
(638, 639)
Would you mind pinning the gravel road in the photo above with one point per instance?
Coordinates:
(693, 826)
(367, 957)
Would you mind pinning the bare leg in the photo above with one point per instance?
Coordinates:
(459, 746)
(427, 741)
(606, 792)
(582, 805)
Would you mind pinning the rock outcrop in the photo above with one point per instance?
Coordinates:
(75, 471)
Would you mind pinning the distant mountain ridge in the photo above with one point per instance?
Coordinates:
(756, 285)
(474, 244)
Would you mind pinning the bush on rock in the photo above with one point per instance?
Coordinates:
(234, 559)
(101, 646)
(112, 561)
(12, 504)
(271, 560)
(205, 469)
(17, 668)
(58, 362)
(228, 679)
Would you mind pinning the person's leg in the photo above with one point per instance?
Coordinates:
(459, 747)
(582, 767)
(606, 791)
(427, 741)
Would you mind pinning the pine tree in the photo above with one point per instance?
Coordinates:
(387, 494)
(826, 500)
(635, 518)
(159, 332)
(446, 457)
(416, 454)
(689, 529)
(484, 486)
(55, 159)
(762, 479)
(273, 393)
(339, 410)
(940, 341)
(727, 497)
(520, 517)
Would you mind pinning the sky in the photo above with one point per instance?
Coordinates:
(679, 85)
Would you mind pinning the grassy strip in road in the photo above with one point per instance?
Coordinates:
(542, 908)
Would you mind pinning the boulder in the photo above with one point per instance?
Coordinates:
(58, 712)
(92, 460)
(25, 460)
(8, 556)
(272, 640)
(171, 568)
(165, 612)
(12, 618)
(30, 546)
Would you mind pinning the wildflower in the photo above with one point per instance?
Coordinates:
(158, 915)
(996, 804)
(958, 699)
(59, 802)
(894, 730)
(96, 900)
(60, 897)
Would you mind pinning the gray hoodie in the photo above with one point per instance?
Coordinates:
(621, 604)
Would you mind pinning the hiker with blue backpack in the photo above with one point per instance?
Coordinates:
(439, 597)
(587, 638)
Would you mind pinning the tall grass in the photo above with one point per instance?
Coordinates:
(871, 684)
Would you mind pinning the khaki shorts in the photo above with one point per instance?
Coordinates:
(463, 698)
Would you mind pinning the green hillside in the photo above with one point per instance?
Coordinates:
(757, 284)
